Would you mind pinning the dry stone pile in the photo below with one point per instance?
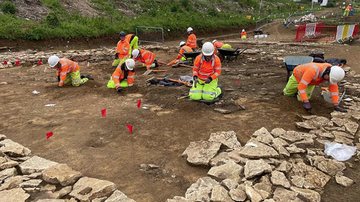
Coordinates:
(31, 57)
(276, 165)
(24, 177)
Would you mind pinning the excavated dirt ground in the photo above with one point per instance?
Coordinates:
(103, 148)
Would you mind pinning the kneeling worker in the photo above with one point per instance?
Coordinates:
(181, 56)
(123, 76)
(67, 71)
(305, 77)
(206, 70)
(146, 57)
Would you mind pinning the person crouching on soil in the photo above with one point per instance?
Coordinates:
(206, 70)
(146, 57)
(123, 76)
(67, 71)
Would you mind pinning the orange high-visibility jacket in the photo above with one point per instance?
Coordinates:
(184, 49)
(217, 45)
(122, 73)
(129, 37)
(311, 74)
(191, 41)
(123, 48)
(146, 57)
(67, 66)
(243, 33)
(203, 69)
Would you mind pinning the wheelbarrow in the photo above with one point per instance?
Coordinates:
(292, 61)
(229, 54)
(191, 56)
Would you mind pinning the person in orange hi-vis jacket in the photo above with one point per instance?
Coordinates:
(67, 71)
(206, 70)
(122, 50)
(191, 40)
(181, 57)
(146, 57)
(306, 76)
(133, 40)
(123, 76)
(243, 34)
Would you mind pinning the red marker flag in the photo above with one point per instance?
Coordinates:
(139, 103)
(39, 62)
(130, 128)
(103, 113)
(49, 134)
(17, 63)
(5, 62)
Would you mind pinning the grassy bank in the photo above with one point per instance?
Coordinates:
(174, 15)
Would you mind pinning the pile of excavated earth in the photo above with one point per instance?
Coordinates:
(24, 177)
(278, 165)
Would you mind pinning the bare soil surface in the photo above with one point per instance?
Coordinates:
(164, 125)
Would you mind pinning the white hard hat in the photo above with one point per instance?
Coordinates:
(336, 74)
(243, 30)
(214, 41)
(189, 29)
(53, 60)
(182, 43)
(130, 64)
(207, 49)
(135, 53)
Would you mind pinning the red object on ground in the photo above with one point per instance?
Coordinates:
(130, 128)
(49, 134)
(103, 113)
(139, 103)
(5, 62)
(39, 62)
(17, 63)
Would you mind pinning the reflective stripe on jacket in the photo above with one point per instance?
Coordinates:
(184, 49)
(123, 48)
(204, 69)
(146, 57)
(191, 41)
(312, 74)
(67, 66)
(120, 74)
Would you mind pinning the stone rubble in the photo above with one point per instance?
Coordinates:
(278, 165)
(24, 177)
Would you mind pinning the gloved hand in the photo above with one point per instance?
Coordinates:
(208, 80)
(340, 109)
(307, 106)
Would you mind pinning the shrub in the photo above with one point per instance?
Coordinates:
(52, 20)
(8, 7)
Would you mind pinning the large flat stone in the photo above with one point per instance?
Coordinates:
(228, 139)
(279, 178)
(13, 149)
(201, 189)
(238, 194)
(255, 150)
(35, 164)
(253, 195)
(285, 195)
(229, 170)
(219, 193)
(343, 181)
(118, 196)
(305, 176)
(4, 174)
(13, 195)
(86, 189)
(328, 166)
(201, 152)
(256, 167)
(61, 174)
(308, 194)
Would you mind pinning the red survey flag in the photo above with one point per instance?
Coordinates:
(103, 112)
(39, 62)
(139, 103)
(49, 134)
(17, 63)
(5, 62)
(130, 128)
